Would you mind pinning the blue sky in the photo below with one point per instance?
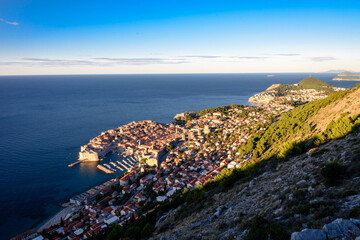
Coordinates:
(99, 37)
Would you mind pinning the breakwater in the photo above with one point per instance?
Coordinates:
(104, 169)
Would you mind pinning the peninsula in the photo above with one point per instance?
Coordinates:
(307, 90)
(144, 140)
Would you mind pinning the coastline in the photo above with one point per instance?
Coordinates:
(346, 79)
(256, 104)
(55, 219)
(56, 211)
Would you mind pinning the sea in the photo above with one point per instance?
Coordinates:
(45, 119)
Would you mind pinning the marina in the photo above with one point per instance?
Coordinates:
(112, 166)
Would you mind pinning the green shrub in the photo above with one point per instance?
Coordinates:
(339, 128)
(319, 209)
(291, 149)
(115, 233)
(332, 172)
(197, 195)
(262, 229)
(147, 230)
(133, 232)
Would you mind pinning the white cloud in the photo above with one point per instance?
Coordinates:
(7, 22)
(135, 61)
(92, 62)
(223, 56)
(321, 59)
(284, 54)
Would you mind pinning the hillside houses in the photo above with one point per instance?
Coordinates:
(142, 139)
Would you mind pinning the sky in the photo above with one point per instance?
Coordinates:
(123, 37)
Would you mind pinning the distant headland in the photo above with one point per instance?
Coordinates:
(348, 76)
(307, 90)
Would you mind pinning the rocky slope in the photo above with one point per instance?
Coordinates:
(290, 196)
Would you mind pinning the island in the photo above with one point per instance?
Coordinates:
(347, 76)
(307, 90)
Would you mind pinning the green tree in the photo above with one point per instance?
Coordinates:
(169, 148)
(147, 230)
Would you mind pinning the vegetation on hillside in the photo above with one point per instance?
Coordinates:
(221, 109)
(293, 128)
(261, 228)
(306, 83)
(313, 83)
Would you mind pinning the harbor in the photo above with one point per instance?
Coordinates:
(125, 164)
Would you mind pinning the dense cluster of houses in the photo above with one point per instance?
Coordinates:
(300, 95)
(209, 145)
(144, 139)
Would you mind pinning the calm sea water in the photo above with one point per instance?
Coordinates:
(45, 119)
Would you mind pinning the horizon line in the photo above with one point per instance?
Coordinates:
(83, 74)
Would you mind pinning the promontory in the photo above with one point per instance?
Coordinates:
(307, 90)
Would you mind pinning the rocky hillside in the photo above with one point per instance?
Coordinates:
(307, 191)
(307, 90)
